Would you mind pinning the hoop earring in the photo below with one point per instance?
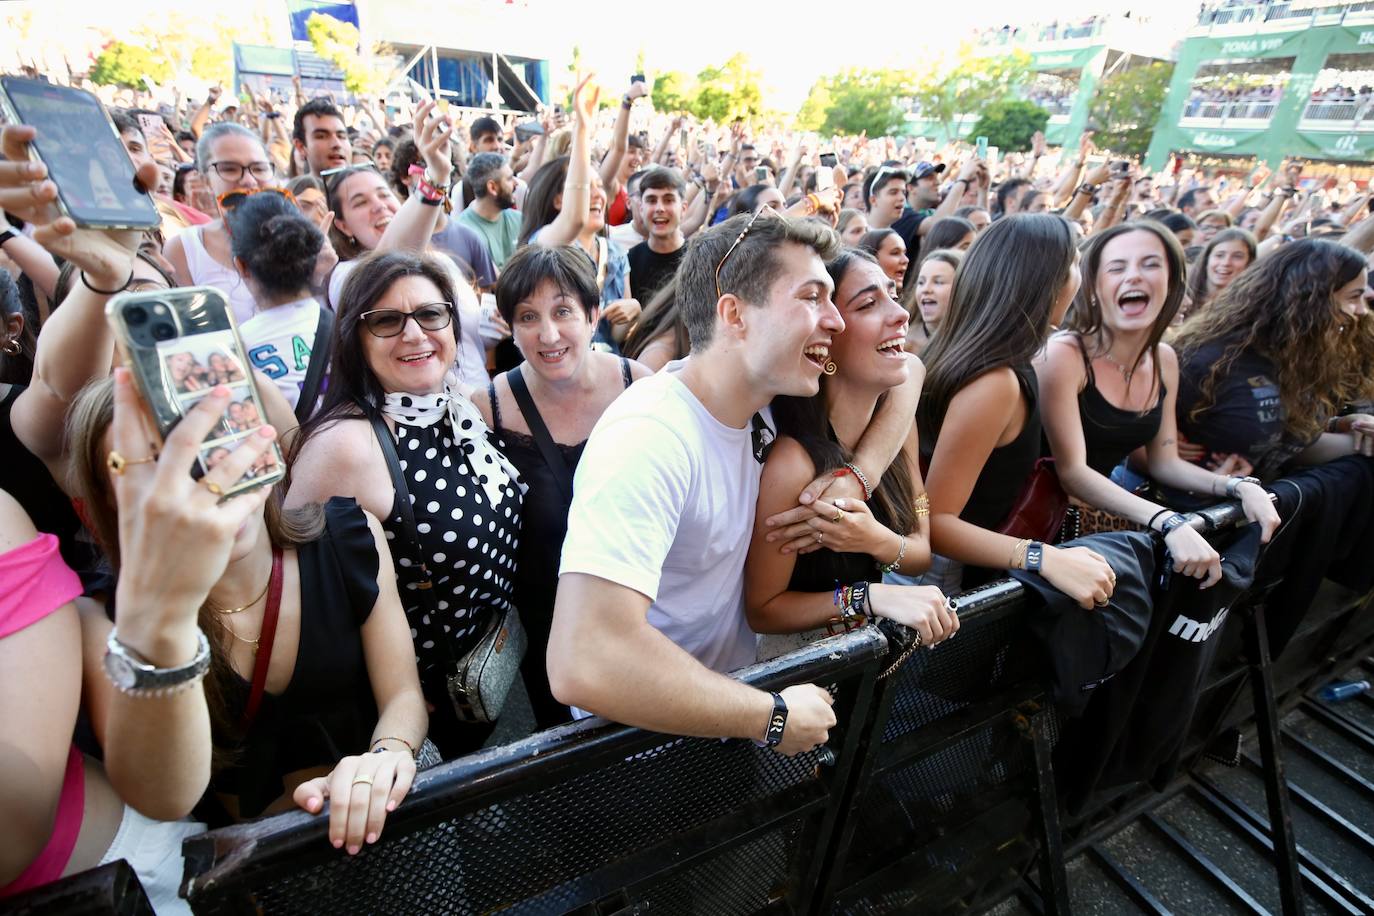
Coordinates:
(11, 347)
(830, 368)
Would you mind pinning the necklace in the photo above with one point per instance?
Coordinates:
(244, 607)
(1126, 372)
(252, 642)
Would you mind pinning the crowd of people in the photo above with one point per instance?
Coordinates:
(654, 395)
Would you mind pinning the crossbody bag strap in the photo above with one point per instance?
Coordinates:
(265, 639)
(429, 605)
(319, 360)
(547, 447)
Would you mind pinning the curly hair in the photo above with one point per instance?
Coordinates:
(1283, 309)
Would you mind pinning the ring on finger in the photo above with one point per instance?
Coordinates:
(118, 464)
(362, 779)
(820, 536)
(839, 517)
(212, 487)
(1100, 603)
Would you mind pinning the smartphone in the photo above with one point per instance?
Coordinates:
(825, 179)
(179, 344)
(761, 173)
(1121, 167)
(682, 138)
(982, 147)
(78, 143)
(828, 160)
(528, 130)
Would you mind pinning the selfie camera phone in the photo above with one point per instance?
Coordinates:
(761, 173)
(179, 344)
(828, 160)
(825, 179)
(85, 158)
(982, 147)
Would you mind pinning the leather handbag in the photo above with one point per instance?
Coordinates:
(1038, 512)
(478, 681)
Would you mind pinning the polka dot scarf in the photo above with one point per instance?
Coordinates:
(424, 410)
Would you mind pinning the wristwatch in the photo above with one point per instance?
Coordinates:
(1233, 484)
(133, 675)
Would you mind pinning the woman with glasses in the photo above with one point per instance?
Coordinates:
(391, 414)
(231, 158)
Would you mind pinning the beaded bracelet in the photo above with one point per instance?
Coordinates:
(378, 750)
(893, 566)
(863, 480)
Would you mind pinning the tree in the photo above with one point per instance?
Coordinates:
(728, 91)
(973, 83)
(1126, 107)
(866, 100)
(127, 65)
(1010, 125)
(811, 116)
(339, 43)
(671, 92)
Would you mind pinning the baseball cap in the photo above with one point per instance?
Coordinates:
(923, 169)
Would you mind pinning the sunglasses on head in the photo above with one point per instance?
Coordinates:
(231, 199)
(731, 250)
(330, 177)
(432, 316)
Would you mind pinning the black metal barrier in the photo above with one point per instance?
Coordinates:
(589, 818)
(935, 794)
(110, 890)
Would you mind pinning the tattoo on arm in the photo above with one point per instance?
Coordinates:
(1168, 442)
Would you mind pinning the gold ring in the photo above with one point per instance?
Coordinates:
(213, 487)
(362, 779)
(1103, 603)
(118, 464)
(839, 517)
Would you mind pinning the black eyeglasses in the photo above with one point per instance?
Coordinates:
(432, 316)
(233, 171)
(739, 238)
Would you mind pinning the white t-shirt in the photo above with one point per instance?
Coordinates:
(472, 353)
(279, 341)
(663, 503)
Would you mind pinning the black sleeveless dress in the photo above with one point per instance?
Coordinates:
(1110, 433)
(543, 526)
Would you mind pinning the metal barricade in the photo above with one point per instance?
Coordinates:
(590, 817)
(110, 890)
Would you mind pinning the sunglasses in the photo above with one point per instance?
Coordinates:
(432, 316)
(331, 177)
(231, 199)
(745, 231)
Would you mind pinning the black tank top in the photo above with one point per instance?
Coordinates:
(1110, 433)
(1005, 472)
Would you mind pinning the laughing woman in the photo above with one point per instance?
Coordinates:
(1108, 386)
(790, 593)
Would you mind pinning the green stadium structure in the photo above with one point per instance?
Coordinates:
(1265, 81)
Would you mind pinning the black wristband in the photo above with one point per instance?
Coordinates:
(858, 600)
(1151, 523)
(106, 292)
(777, 722)
(6, 234)
(1178, 519)
(430, 202)
(1035, 556)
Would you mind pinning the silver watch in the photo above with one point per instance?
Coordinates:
(133, 675)
(1233, 484)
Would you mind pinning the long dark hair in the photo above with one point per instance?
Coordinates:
(539, 209)
(1282, 308)
(659, 317)
(999, 310)
(807, 420)
(353, 388)
(1084, 319)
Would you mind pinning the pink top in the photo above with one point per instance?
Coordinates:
(34, 582)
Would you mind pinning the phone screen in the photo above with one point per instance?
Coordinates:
(180, 344)
(828, 160)
(84, 156)
(982, 147)
(825, 179)
(761, 173)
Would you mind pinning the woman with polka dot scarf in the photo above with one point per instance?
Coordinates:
(394, 355)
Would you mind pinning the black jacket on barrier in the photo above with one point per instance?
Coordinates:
(1328, 531)
(1085, 648)
(1135, 728)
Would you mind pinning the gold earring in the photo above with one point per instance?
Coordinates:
(830, 368)
(11, 347)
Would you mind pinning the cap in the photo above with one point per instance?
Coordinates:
(923, 169)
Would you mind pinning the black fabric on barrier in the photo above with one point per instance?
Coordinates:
(1136, 724)
(1328, 532)
(1086, 647)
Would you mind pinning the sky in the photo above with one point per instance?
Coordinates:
(793, 44)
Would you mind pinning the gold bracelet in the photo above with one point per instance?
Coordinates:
(1018, 554)
(402, 740)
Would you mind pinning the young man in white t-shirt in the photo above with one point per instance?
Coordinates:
(649, 615)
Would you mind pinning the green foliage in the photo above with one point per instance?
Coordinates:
(338, 42)
(973, 83)
(1010, 125)
(122, 64)
(1126, 107)
(671, 92)
(720, 93)
(811, 116)
(866, 100)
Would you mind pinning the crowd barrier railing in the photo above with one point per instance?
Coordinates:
(937, 792)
